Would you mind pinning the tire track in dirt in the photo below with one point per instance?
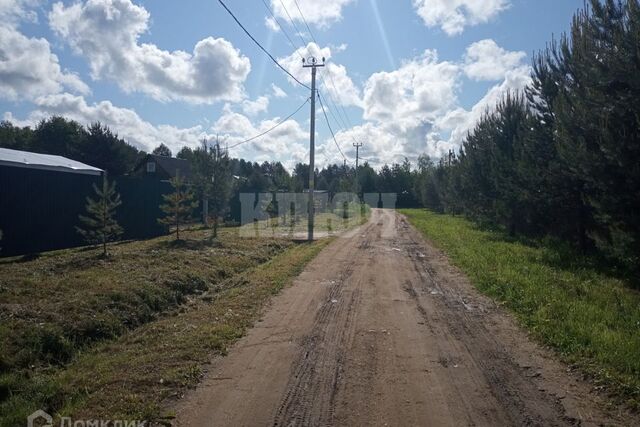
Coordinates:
(381, 330)
(311, 392)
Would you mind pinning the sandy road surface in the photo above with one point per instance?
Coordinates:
(380, 330)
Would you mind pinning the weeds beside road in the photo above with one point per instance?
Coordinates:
(113, 337)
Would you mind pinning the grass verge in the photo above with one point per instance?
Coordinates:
(112, 338)
(592, 319)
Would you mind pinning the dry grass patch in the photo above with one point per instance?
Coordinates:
(59, 308)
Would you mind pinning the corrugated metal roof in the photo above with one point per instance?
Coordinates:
(26, 159)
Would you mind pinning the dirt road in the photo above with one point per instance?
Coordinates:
(381, 330)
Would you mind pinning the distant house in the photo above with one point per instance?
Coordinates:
(162, 168)
(41, 196)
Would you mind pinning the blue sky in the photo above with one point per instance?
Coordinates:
(411, 77)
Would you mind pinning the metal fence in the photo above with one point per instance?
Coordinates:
(39, 209)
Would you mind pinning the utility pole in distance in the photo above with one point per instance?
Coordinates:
(357, 145)
(312, 63)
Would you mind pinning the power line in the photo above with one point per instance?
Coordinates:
(305, 21)
(340, 105)
(293, 45)
(331, 98)
(340, 122)
(272, 128)
(295, 27)
(334, 116)
(260, 46)
(329, 125)
(338, 119)
(277, 21)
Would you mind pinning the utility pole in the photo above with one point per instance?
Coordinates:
(357, 145)
(312, 63)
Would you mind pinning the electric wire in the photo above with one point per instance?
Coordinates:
(341, 108)
(340, 123)
(295, 27)
(277, 21)
(260, 46)
(305, 21)
(329, 125)
(272, 128)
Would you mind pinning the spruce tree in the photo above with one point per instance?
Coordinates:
(178, 206)
(99, 225)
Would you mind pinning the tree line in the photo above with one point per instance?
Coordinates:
(563, 157)
(95, 145)
(98, 146)
(216, 180)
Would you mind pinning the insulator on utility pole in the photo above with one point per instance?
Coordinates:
(312, 63)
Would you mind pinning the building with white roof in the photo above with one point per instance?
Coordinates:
(26, 159)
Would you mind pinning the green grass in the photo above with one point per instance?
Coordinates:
(591, 318)
(109, 338)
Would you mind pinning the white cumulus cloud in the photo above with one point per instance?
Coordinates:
(257, 106)
(450, 130)
(485, 60)
(400, 109)
(277, 91)
(320, 13)
(452, 16)
(416, 92)
(28, 67)
(415, 110)
(107, 33)
(14, 11)
(125, 122)
(333, 79)
(286, 143)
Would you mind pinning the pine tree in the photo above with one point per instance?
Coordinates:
(162, 150)
(597, 122)
(179, 205)
(99, 225)
(554, 192)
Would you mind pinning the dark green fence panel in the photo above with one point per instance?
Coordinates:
(39, 209)
(140, 210)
